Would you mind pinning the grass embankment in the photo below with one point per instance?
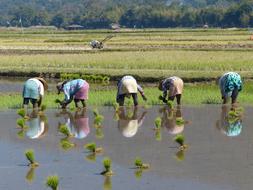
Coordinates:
(194, 94)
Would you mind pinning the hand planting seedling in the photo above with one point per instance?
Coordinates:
(107, 167)
(180, 140)
(30, 157)
(65, 131)
(52, 182)
(92, 147)
(140, 165)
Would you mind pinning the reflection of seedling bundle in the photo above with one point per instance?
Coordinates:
(107, 167)
(158, 123)
(21, 123)
(30, 175)
(30, 157)
(66, 144)
(65, 131)
(116, 106)
(180, 140)
(180, 121)
(92, 147)
(52, 182)
(235, 114)
(98, 118)
(180, 155)
(140, 165)
(107, 183)
(98, 123)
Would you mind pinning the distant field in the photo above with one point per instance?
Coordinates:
(151, 54)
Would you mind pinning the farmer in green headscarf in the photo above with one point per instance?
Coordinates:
(230, 85)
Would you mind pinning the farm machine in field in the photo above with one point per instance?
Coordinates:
(95, 44)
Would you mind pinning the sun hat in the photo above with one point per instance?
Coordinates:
(43, 82)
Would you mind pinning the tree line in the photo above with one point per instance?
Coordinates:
(141, 14)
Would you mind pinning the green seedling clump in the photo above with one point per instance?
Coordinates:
(95, 112)
(158, 123)
(92, 147)
(57, 101)
(170, 104)
(21, 112)
(180, 140)
(140, 165)
(64, 130)
(107, 166)
(30, 157)
(21, 123)
(52, 182)
(116, 106)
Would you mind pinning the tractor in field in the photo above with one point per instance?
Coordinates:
(95, 44)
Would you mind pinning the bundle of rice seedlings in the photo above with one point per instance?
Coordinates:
(180, 140)
(21, 112)
(21, 123)
(52, 182)
(107, 167)
(158, 123)
(139, 164)
(30, 157)
(92, 147)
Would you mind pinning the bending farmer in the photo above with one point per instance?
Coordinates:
(33, 91)
(77, 89)
(127, 87)
(230, 85)
(175, 87)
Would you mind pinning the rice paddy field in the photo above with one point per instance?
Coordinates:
(194, 146)
(149, 54)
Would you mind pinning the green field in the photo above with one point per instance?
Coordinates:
(149, 54)
(194, 94)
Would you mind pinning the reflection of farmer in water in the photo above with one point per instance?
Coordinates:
(229, 126)
(37, 126)
(129, 122)
(172, 120)
(78, 125)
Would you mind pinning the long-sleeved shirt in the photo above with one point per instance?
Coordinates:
(72, 87)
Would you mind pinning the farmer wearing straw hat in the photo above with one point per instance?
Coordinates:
(230, 85)
(127, 87)
(33, 91)
(77, 89)
(174, 85)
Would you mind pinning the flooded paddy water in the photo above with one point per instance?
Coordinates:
(219, 156)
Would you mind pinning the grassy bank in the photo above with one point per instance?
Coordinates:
(194, 94)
